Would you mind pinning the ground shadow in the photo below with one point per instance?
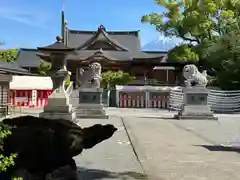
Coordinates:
(220, 148)
(97, 174)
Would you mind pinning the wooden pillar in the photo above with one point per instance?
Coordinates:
(167, 76)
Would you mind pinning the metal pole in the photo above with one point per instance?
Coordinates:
(63, 5)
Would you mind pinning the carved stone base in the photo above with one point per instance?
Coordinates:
(71, 116)
(91, 111)
(180, 117)
(58, 107)
(195, 104)
(90, 104)
(196, 112)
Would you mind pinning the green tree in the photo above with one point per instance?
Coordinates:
(5, 161)
(110, 78)
(44, 68)
(225, 58)
(183, 53)
(196, 22)
(8, 55)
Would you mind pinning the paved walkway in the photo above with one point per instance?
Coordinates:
(111, 159)
(169, 152)
(163, 149)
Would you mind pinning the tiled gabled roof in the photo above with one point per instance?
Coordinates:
(127, 39)
(102, 36)
(28, 58)
(113, 55)
(12, 68)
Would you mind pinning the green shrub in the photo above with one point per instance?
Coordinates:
(5, 162)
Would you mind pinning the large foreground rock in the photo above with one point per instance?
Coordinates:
(45, 146)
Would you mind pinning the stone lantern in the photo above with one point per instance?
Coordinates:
(58, 106)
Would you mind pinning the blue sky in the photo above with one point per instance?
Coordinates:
(28, 23)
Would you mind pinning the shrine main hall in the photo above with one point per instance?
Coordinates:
(115, 50)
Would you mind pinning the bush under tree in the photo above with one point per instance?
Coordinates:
(5, 161)
(44, 68)
(112, 78)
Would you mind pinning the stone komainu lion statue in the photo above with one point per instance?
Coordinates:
(90, 78)
(193, 76)
(96, 69)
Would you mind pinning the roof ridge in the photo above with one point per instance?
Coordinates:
(133, 32)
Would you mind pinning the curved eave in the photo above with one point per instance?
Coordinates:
(15, 71)
(95, 55)
(55, 51)
(149, 58)
(58, 46)
(45, 57)
(103, 56)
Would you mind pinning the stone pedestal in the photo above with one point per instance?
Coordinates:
(90, 104)
(195, 104)
(58, 107)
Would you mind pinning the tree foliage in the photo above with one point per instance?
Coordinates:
(44, 68)
(210, 32)
(5, 161)
(8, 55)
(110, 78)
(195, 22)
(183, 53)
(67, 81)
(225, 59)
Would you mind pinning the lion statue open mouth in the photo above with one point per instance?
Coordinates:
(193, 76)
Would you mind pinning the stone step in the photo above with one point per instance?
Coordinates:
(90, 111)
(81, 116)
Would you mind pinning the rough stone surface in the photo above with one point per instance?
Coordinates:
(45, 147)
(71, 116)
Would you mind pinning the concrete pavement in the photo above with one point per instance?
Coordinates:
(225, 131)
(111, 159)
(169, 152)
(165, 149)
